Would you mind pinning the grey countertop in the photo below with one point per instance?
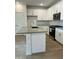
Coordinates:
(61, 28)
(25, 30)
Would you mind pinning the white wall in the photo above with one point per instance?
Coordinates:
(20, 14)
(58, 7)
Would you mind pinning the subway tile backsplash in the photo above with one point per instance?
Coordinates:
(57, 23)
(43, 23)
(50, 22)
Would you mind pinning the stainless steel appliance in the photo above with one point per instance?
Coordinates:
(57, 16)
(52, 30)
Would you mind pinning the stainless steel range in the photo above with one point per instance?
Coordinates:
(52, 30)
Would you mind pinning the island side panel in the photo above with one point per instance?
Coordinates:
(28, 44)
(38, 42)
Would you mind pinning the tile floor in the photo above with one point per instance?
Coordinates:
(53, 49)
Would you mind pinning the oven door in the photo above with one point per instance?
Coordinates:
(53, 32)
(50, 29)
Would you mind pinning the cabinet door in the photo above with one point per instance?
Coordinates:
(42, 15)
(29, 12)
(38, 42)
(57, 35)
(61, 37)
(35, 12)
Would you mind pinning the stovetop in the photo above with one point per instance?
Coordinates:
(55, 26)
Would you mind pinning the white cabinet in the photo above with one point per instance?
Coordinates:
(58, 7)
(35, 43)
(59, 35)
(41, 13)
(38, 42)
(35, 12)
(32, 12)
(50, 14)
(29, 12)
(62, 37)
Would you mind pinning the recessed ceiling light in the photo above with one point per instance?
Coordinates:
(41, 4)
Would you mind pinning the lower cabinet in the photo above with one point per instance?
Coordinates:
(59, 35)
(35, 43)
(38, 42)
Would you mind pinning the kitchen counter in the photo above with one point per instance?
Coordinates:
(35, 39)
(26, 30)
(61, 28)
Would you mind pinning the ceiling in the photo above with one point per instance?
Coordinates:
(45, 3)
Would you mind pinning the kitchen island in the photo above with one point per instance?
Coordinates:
(35, 40)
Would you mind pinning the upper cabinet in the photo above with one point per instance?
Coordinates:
(46, 14)
(58, 7)
(40, 13)
(50, 14)
(29, 12)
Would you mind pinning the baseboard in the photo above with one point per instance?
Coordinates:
(59, 42)
(54, 40)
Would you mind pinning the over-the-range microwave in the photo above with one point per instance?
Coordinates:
(57, 16)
